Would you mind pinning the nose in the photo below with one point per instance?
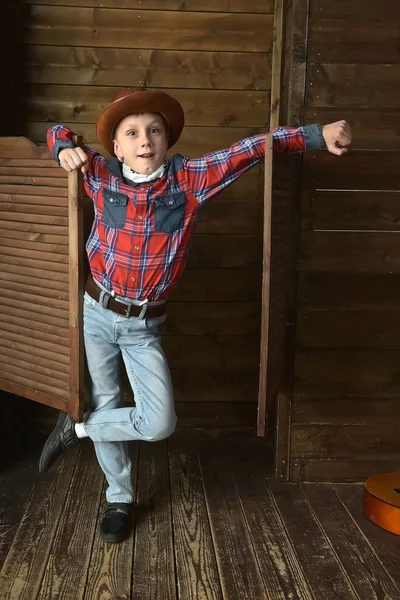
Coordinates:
(145, 139)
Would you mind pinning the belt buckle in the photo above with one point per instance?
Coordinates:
(128, 310)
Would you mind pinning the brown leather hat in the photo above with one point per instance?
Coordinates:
(131, 101)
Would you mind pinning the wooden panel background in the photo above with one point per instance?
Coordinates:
(70, 57)
(346, 397)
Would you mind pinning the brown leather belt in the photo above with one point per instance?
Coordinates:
(125, 310)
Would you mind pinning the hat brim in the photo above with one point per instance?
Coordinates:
(139, 102)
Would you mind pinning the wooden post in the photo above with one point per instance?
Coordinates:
(76, 290)
(262, 389)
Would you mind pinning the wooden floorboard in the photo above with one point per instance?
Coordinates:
(210, 524)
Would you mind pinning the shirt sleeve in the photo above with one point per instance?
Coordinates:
(60, 137)
(209, 175)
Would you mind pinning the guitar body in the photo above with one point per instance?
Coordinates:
(382, 501)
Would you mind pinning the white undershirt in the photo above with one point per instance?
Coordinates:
(128, 173)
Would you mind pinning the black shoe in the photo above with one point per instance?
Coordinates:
(61, 439)
(117, 521)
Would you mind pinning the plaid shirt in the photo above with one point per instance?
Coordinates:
(141, 233)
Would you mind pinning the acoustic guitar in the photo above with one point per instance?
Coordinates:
(382, 501)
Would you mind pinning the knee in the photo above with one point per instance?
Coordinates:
(161, 431)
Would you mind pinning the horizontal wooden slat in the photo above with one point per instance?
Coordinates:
(212, 318)
(344, 441)
(57, 26)
(25, 389)
(358, 369)
(11, 301)
(327, 405)
(27, 171)
(11, 250)
(338, 210)
(156, 68)
(33, 248)
(227, 285)
(356, 9)
(33, 299)
(31, 382)
(353, 40)
(357, 170)
(12, 179)
(42, 350)
(27, 311)
(11, 199)
(35, 238)
(11, 360)
(347, 251)
(212, 352)
(194, 141)
(17, 282)
(251, 6)
(34, 268)
(371, 128)
(30, 163)
(83, 104)
(225, 216)
(353, 85)
(215, 385)
(29, 190)
(21, 148)
(33, 330)
(216, 414)
(348, 329)
(348, 291)
(342, 470)
(213, 250)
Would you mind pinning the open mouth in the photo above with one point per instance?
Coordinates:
(147, 155)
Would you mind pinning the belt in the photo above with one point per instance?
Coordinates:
(122, 308)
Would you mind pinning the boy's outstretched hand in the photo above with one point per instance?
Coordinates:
(336, 136)
(73, 158)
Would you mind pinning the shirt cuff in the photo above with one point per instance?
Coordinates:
(313, 137)
(60, 145)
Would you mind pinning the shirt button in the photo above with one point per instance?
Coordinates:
(170, 202)
(136, 247)
(140, 217)
(111, 199)
(133, 278)
(142, 189)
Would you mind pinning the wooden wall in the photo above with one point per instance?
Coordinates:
(214, 56)
(346, 396)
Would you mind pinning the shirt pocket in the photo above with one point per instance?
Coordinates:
(115, 209)
(169, 213)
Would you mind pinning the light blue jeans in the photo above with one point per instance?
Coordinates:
(110, 425)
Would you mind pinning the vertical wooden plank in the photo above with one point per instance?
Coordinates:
(196, 567)
(110, 570)
(66, 571)
(154, 553)
(238, 567)
(23, 570)
(262, 390)
(369, 578)
(280, 569)
(321, 566)
(386, 545)
(76, 283)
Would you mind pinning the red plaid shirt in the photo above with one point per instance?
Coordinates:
(142, 232)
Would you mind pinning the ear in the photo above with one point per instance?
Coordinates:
(117, 150)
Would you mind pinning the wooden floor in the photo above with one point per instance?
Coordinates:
(209, 524)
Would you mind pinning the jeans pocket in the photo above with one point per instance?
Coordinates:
(169, 215)
(154, 322)
(115, 209)
(88, 300)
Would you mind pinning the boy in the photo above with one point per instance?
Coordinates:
(146, 207)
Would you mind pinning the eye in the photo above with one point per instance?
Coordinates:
(131, 133)
(154, 130)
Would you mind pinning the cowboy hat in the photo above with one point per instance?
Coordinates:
(132, 101)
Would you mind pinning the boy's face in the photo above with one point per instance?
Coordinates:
(141, 142)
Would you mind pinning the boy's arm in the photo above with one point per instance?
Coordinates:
(209, 175)
(60, 138)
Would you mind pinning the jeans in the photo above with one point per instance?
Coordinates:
(109, 424)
